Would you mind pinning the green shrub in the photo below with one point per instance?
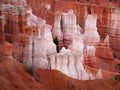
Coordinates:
(30, 69)
(116, 77)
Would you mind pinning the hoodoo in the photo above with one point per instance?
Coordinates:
(79, 38)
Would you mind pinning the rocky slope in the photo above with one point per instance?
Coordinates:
(13, 76)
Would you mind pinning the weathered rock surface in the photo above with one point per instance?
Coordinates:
(14, 76)
(77, 26)
(104, 55)
(89, 56)
(14, 16)
(2, 28)
(71, 64)
(91, 35)
(6, 49)
(114, 33)
(40, 42)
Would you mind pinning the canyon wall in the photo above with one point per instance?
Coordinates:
(71, 64)
(40, 44)
(14, 18)
(96, 21)
(63, 35)
(69, 60)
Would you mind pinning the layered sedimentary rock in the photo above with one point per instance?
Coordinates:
(114, 32)
(90, 38)
(57, 32)
(14, 12)
(91, 35)
(77, 40)
(104, 22)
(89, 56)
(65, 23)
(40, 43)
(77, 26)
(104, 55)
(2, 28)
(70, 63)
(107, 24)
(81, 15)
(67, 27)
(28, 33)
(6, 49)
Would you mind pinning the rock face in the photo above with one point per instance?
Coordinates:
(91, 35)
(68, 26)
(14, 16)
(90, 38)
(30, 35)
(65, 23)
(57, 32)
(2, 28)
(114, 33)
(104, 55)
(70, 63)
(83, 34)
(40, 42)
(103, 22)
(6, 49)
(89, 56)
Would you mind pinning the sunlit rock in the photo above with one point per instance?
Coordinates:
(57, 27)
(68, 26)
(41, 43)
(99, 74)
(114, 33)
(91, 35)
(89, 56)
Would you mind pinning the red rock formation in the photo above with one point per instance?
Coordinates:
(71, 64)
(81, 15)
(40, 42)
(14, 76)
(6, 49)
(68, 26)
(89, 56)
(2, 28)
(104, 22)
(26, 31)
(14, 12)
(65, 23)
(91, 35)
(57, 32)
(114, 33)
(104, 54)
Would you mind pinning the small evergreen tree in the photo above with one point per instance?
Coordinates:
(117, 77)
(30, 69)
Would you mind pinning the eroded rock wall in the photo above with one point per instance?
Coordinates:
(40, 43)
(14, 15)
(71, 64)
(80, 27)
